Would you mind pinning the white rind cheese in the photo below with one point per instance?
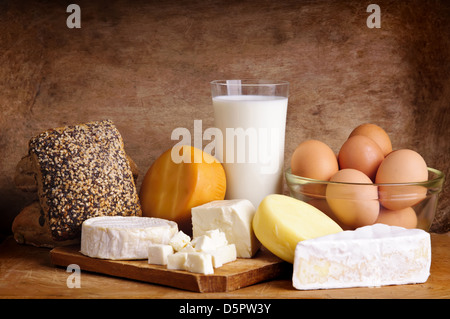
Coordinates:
(124, 237)
(369, 256)
(234, 218)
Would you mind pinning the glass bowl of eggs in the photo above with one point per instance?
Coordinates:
(364, 185)
(353, 205)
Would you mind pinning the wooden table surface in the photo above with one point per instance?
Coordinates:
(26, 272)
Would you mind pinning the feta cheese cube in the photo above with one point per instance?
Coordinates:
(211, 240)
(232, 217)
(199, 262)
(179, 240)
(158, 253)
(177, 261)
(222, 255)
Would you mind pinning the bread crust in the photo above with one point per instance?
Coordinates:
(30, 227)
(25, 174)
(82, 171)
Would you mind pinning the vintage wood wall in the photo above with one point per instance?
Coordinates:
(147, 64)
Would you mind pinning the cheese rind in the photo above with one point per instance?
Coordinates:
(232, 217)
(181, 178)
(369, 256)
(124, 237)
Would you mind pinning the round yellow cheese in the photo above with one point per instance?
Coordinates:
(281, 222)
(181, 178)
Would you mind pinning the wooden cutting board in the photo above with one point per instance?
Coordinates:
(234, 275)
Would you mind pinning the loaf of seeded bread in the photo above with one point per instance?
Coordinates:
(30, 227)
(25, 174)
(82, 171)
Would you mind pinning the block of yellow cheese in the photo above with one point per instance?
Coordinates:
(181, 178)
(281, 222)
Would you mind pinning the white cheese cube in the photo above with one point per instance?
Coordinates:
(177, 261)
(158, 253)
(232, 217)
(188, 248)
(211, 240)
(369, 256)
(199, 262)
(223, 255)
(217, 236)
(179, 240)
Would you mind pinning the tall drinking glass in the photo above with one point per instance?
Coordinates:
(250, 116)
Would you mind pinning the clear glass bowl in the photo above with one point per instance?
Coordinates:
(393, 204)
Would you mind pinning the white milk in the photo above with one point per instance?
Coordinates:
(252, 153)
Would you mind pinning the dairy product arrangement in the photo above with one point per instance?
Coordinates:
(193, 218)
(322, 254)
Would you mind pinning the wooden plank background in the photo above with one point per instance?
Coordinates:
(147, 66)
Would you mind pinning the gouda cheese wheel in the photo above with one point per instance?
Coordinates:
(170, 188)
(281, 222)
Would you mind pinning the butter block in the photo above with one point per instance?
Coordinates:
(282, 221)
(232, 217)
(369, 256)
(158, 253)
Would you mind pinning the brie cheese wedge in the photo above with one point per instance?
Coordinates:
(369, 256)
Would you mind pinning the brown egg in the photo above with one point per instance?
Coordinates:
(377, 134)
(314, 159)
(405, 217)
(353, 204)
(361, 153)
(322, 205)
(402, 166)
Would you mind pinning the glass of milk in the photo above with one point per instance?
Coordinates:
(250, 119)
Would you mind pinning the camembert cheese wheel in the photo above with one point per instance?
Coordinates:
(124, 237)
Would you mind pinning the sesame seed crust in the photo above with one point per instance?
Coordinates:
(83, 172)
